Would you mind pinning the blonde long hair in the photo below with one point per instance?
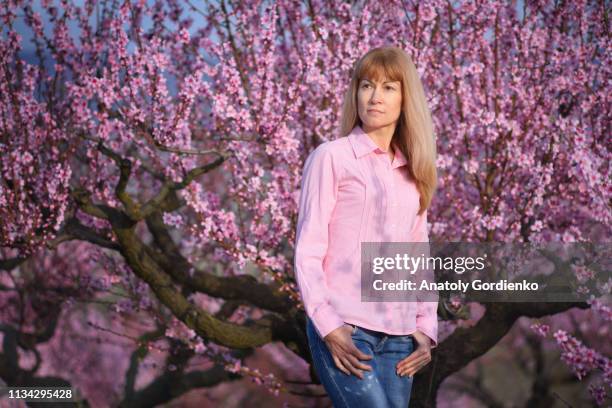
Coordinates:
(414, 131)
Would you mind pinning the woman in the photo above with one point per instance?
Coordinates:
(373, 185)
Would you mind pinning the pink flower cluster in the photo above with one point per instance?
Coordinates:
(582, 359)
(272, 384)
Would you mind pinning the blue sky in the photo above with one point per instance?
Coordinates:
(28, 46)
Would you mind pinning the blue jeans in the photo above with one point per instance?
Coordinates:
(381, 387)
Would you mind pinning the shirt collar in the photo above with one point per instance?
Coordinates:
(362, 145)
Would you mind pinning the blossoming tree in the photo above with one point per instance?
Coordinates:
(151, 155)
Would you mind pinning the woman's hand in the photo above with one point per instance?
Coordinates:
(418, 359)
(346, 355)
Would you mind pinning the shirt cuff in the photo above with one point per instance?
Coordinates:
(429, 329)
(326, 320)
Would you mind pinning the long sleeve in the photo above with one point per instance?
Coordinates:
(318, 195)
(427, 311)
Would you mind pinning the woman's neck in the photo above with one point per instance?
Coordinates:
(383, 137)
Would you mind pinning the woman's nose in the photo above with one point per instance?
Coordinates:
(375, 96)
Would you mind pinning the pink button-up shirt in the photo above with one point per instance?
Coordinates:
(351, 193)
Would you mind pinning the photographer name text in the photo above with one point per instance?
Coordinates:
(477, 284)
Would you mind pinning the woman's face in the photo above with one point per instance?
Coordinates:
(379, 103)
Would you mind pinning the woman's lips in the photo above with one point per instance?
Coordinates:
(373, 111)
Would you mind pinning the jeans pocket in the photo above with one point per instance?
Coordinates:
(409, 338)
(404, 339)
(403, 345)
(353, 328)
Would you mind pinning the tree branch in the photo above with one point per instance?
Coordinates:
(83, 199)
(167, 387)
(137, 356)
(11, 263)
(155, 203)
(74, 230)
(243, 287)
(15, 376)
(125, 170)
(140, 259)
(475, 341)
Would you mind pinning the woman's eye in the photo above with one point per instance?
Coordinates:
(390, 88)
